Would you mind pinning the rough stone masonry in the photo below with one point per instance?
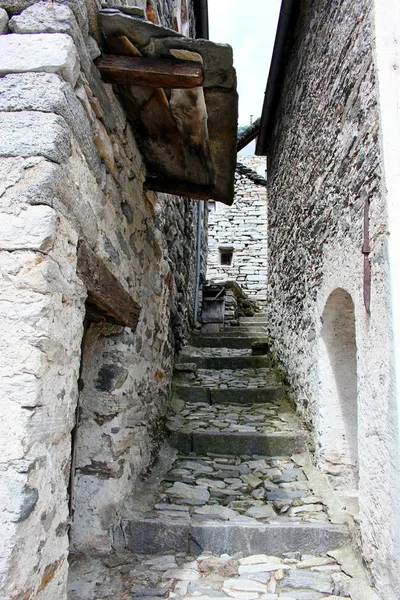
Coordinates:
(327, 205)
(70, 170)
(240, 231)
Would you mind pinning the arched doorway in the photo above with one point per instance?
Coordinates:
(337, 430)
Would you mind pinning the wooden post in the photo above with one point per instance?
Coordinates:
(107, 298)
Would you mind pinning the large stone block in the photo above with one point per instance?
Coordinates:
(46, 92)
(49, 52)
(238, 444)
(43, 17)
(33, 228)
(34, 134)
(3, 21)
(78, 7)
(155, 536)
(217, 58)
(274, 539)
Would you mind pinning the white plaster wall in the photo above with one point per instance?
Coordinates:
(336, 419)
(387, 61)
(377, 439)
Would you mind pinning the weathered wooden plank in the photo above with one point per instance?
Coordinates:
(151, 72)
(107, 298)
(178, 188)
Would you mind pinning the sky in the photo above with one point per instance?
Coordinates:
(250, 29)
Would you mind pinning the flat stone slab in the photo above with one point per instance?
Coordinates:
(271, 444)
(214, 395)
(158, 536)
(228, 362)
(49, 52)
(205, 577)
(219, 340)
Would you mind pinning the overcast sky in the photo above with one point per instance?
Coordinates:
(249, 27)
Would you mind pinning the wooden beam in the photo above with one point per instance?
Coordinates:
(178, 188)
(107, 298)
(248, 135)
(150, 72)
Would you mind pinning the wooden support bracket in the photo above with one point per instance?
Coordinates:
(150, 72)
(178, 188)
(107, 298)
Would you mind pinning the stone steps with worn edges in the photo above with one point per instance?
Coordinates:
(227, 340)
(215, 395)
(217, 503)
(154, 536)
(269, 428)
(226, 362)
(260, 328)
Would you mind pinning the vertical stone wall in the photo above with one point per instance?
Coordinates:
(324, 167)
(242, 228)
(69, 170)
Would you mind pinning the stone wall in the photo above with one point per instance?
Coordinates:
(69, 170)
(324, 169)
(241, 227)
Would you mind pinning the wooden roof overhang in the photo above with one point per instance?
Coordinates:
(181, 101)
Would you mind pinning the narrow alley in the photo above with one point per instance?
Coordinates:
(234, 507)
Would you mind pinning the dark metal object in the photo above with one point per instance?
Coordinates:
(201, 14)
(366, 249)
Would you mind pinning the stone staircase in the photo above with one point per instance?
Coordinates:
(234, 507)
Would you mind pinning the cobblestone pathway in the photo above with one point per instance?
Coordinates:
(236, 510)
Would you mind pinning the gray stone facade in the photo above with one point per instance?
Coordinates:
(326, 185)
(241, 230)
(70, 170)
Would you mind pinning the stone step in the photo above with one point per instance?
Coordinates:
(190, 374)
(267, 429)
(222, 340)
(253, 329)
(155, 536)
(226, 362)
(257, 317)
(237, 443)
(215, 395)
(236, 332)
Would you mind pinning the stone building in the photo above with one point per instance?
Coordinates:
(237, 234)
(98, 264)
(330, 130)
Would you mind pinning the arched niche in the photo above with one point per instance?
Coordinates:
(337, 430)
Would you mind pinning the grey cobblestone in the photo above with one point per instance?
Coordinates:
(176, 576)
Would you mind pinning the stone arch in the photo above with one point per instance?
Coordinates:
(337, 427)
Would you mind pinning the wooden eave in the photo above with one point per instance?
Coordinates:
(181, 101)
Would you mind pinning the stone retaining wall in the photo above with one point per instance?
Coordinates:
(324, 168)
(69, 170)
(242, 228)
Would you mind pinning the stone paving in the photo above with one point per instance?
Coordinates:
(239, 489)
(217, 352)
(228, 378)
(294, 576)
(268, 417)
